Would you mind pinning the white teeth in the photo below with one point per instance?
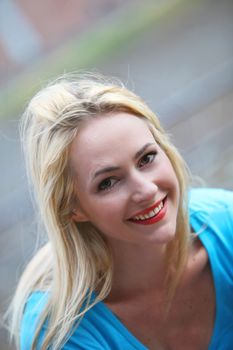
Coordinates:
(157, 210)
(149, 215)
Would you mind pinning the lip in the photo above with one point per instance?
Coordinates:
(147, 210)
(154, 219)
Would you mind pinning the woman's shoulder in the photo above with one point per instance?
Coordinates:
(98, 329)
(212, 207)
(211, 216)
(81, 335)
(210, 199)
(34, 307)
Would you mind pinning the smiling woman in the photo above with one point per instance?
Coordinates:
(121, 269)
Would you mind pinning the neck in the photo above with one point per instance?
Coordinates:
(136, 268)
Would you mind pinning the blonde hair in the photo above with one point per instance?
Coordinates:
(76, 260)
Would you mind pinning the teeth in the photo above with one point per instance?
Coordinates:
(150, 214)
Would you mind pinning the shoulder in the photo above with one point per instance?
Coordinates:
(100, 329)
(211, 216)
(213, 207)
(31, 316)
(97, 330)
(210, 199)
(83, 336)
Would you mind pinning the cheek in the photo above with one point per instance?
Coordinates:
(106, 215)
(107, 207)
(169, 178)
(168, 172)
(175, 185)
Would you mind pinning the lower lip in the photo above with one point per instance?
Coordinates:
(155, 218)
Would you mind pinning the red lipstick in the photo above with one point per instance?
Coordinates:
(147, 210)
(156, 218)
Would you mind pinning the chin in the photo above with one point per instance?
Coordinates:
(165, 235)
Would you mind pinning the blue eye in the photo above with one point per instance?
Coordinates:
(107, 184)
(147, 159)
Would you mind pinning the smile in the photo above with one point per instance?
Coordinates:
(152, 214)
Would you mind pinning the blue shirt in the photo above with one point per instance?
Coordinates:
(211, 216)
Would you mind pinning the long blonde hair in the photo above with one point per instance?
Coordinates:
(76, 260)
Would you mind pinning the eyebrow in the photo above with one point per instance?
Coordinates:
(105, 170)
(142, 150)
(114, 168)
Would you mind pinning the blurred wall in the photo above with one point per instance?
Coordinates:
(29, 29)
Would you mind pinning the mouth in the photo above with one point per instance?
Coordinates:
(151, 215)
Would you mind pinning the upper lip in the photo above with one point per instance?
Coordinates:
(147, 210)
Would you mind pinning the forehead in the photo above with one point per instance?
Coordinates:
(109, 138)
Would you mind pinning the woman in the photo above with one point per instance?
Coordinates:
(131, 262)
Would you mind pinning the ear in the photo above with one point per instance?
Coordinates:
(79, 216)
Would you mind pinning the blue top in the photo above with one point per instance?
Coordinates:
(211, 216)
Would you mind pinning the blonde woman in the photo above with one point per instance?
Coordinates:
(133, 260)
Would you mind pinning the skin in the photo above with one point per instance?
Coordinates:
(120, 172)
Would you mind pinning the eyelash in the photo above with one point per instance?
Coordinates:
(151, 154)
(102, 185)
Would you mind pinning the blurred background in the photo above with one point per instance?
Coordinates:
(176, 54)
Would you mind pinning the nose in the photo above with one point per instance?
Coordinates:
(144, 189)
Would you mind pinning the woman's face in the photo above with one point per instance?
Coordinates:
(125, 183)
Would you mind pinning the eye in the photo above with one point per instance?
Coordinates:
(107, 184)
(147, 159)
